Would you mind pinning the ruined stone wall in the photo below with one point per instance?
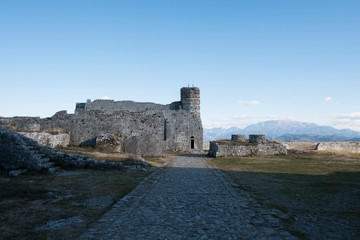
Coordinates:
(140, 128)
(146, 133)
(139, 133)
(353, 147)
(22, 124)
(223, 149)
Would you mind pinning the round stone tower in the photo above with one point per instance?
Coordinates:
(238, 138)
(190, 100)
(257, 138)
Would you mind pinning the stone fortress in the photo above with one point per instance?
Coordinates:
(147, 129)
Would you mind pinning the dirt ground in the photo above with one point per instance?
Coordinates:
(316, 193)
(61, 206)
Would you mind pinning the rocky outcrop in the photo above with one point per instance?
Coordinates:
(108, 142)
(229, 148)
(50, 140)
(353, 147)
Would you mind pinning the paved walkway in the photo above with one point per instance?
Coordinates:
(189, 199)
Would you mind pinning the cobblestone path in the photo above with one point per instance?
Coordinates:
(188, 199)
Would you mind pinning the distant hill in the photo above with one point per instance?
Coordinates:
(310, 138)
(287, 131)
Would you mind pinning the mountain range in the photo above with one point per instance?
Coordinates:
(284, 131)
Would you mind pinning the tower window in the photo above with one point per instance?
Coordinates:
(192, 142)
(164, 129)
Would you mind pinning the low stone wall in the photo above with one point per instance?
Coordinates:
(248, 149)
(300, 145)
(47, 139)
(353, 147)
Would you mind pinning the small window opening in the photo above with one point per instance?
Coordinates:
(192, 142)
(164, 129)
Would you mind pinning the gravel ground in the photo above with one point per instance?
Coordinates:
(188, 199)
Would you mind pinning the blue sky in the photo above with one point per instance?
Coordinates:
(252, 60)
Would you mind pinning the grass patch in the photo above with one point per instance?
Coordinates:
(54, 131)
(308, 163)
(318, 190)
(101, 155)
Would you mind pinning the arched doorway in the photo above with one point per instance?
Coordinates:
(192, 140)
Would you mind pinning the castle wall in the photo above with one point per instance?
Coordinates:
(181, 126)
(143, 128)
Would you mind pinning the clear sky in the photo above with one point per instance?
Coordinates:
(252, 60)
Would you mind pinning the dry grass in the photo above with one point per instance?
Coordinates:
(94, 154)
(54, 131)
(316, 189)
(308, 163)
(31, 200)
(126, 158)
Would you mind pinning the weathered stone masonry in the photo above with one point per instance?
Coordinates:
(238, 146)
(142, 128)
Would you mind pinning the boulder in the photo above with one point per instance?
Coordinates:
(108, 142)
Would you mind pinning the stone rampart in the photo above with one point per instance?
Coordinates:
(353, 147)
(229, 149)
